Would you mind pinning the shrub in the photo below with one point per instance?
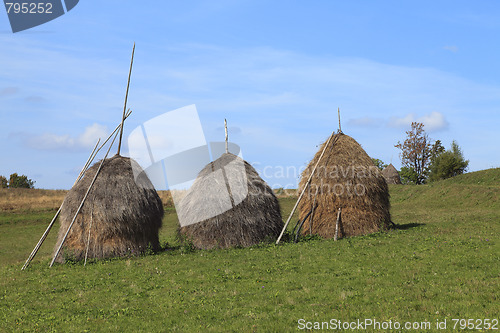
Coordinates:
(448, 164)
(23, 181)
(3, 182)
(408, 176)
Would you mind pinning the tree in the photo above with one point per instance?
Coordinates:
(23, 181)
(416, 151)
(408, 176)
(379, 163)
(436, 150)
(3, 182)
(448, 164)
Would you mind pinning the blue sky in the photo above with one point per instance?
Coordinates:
(277, 70)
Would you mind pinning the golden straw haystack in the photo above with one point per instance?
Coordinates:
(391, 175)
(121, 216)
(345, 178)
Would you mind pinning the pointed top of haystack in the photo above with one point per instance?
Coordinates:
(391, 175)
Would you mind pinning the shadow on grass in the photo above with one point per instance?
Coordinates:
(407, 226)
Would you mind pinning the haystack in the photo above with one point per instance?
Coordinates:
(121, 216)
(345, 178)
(253, 215)
(391, 175)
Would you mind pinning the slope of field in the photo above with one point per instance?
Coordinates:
(473, 197)
(441, 262)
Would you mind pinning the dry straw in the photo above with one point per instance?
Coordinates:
(391, 175)
(249, 222)
(126, 213)
(345, 178)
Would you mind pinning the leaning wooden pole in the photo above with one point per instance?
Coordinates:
(340, 126)
(312, 213)
(89, 161)
(42, 239)
(225, 128)
(305, 187)
(81, 204)
(126, 97)
(129, 112)
(88, 243)
(339, 216)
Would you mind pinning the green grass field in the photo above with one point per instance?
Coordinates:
(441, 262)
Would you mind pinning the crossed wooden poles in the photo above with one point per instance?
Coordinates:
(97, 148)
(114, 134)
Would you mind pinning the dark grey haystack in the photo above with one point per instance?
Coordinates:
(121, 215)
(256, 218)
(391, 175)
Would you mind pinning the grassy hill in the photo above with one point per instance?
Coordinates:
(472, 197)
(441, 262)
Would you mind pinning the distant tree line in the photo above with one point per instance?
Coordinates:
(425, 161)
(16, 181)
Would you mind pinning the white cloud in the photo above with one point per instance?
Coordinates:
(402, 122)
(91, 134)
(434, 121)
(451, 48)
(50, 141)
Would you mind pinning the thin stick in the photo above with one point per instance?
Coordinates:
(312, 214)
(337, 224)
(225, 128)
(340, 127)
(304, 190)
(81, 204)
(116, 129)
(42, 239)
(92, 156)
(126, 97)
(82, 172)
(88, 243)
(300, 226)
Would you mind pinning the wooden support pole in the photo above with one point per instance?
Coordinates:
(81, 204)
(339, 216)
(312, 214)
(88, 242)
(340, 127)
(42, 239)
(304, 190)
(82, 172)
(225, 128)
(126, 97)
(117, 128)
